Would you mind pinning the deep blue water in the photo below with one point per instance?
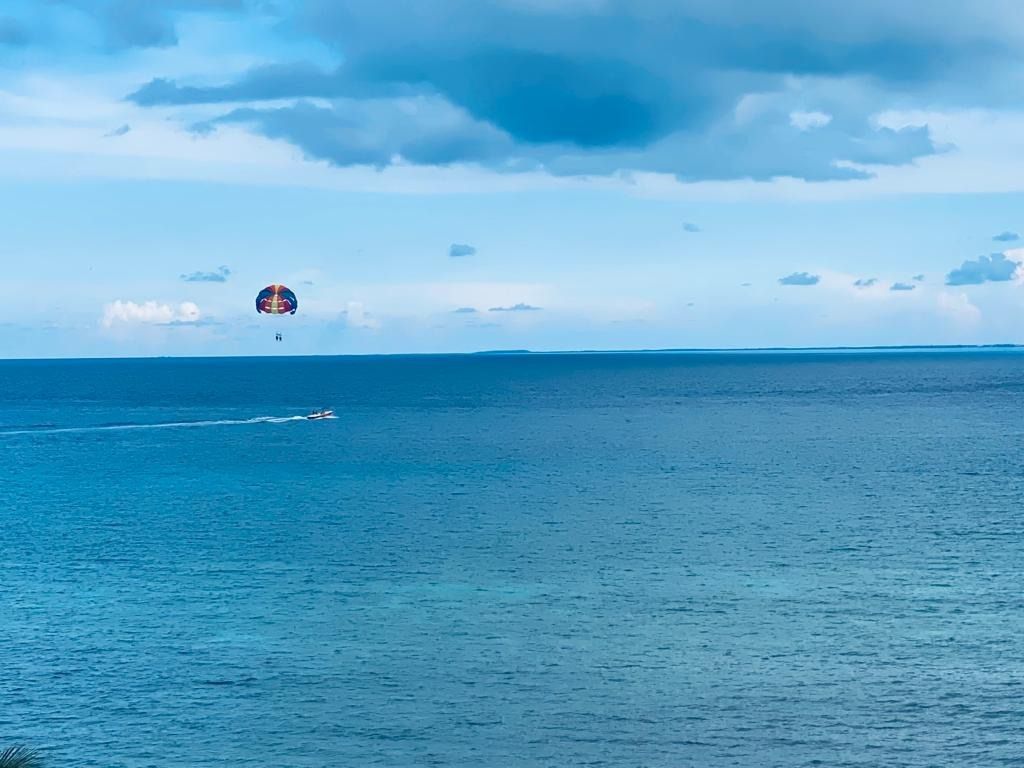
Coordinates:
(605, 560)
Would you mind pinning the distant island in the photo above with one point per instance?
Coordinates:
(707, 350)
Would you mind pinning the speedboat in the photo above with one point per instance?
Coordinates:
(323, 414)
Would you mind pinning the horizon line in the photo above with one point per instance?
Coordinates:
(528, 352)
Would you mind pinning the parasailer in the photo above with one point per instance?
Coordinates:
(276, 299)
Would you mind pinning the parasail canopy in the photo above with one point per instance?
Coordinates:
(277, 300)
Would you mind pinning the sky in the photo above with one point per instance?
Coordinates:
(463, 175)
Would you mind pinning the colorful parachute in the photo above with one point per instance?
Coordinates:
(277, 300)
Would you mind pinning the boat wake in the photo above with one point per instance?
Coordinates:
(52, 429)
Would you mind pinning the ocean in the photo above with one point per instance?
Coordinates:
(658, 560)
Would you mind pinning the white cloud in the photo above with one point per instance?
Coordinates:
(806, 121)
(1016, 254)
(959, 308)
(148, 313)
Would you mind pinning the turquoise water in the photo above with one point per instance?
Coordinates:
(605, 560)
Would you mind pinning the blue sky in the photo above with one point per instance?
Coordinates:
(542, 174)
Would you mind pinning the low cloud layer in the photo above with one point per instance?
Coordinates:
(865, 282)
(800, 278)
(902, 287)
(1006, 237)
(149, 313)
(985, 269)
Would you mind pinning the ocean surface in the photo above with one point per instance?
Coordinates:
(653, 560)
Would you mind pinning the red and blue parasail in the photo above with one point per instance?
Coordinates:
(277, 300)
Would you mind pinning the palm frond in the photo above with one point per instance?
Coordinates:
(20, 757)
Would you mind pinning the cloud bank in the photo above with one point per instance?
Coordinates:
(698, 90)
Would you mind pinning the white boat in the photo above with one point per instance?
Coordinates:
(324, 414)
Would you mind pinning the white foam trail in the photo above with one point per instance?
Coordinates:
(159, 425)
